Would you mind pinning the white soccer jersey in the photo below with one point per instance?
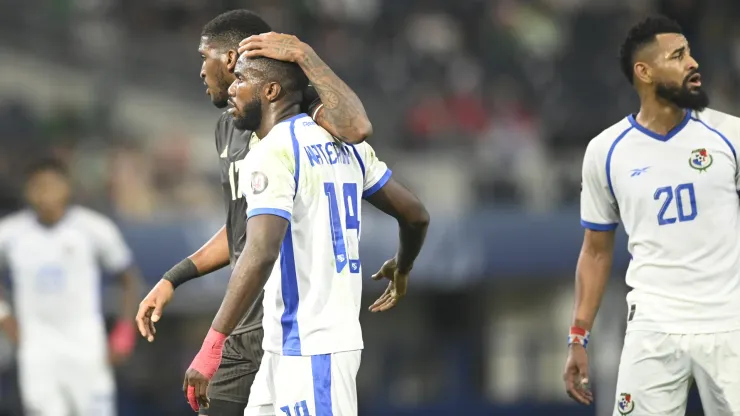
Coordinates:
(301, 173)
(56, 276)
(677, 197)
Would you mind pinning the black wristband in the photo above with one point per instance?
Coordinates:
(181, 273)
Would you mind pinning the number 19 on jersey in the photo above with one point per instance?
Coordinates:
(346, 239)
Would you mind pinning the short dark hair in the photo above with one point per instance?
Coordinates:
(290, 76)
(640, 35)
(47, 164)
(228, 29)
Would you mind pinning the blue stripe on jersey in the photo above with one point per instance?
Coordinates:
(598, 227)
(732, 148)
(288, 276)
(609, 162)
(296, 155)
(269, 211)
(321, 369)
(663, 138)
(359, 159)
(294, 118)
(289, 289)
(379, 184)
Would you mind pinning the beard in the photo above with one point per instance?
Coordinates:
(221, 99)
(250, 117)
(683, 96)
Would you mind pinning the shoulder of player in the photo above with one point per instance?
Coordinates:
(88, 217)
(223, 126)
(722, 123)
(364, 149)
(276, 143)
(608, 137)
(224, 120)
(281, 136)
(15, 220)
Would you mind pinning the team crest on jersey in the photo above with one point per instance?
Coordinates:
(258, 182)
(625, 404)
(700, 160)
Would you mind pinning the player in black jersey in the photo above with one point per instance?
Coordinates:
(341, 113)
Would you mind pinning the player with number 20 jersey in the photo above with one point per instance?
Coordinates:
(670, 174)
(676, 196)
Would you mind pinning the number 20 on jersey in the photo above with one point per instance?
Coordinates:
(679, 203)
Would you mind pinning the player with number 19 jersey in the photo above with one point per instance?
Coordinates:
(677, 197)
(301, 173)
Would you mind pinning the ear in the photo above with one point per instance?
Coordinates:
(643, 72)
(272, 91)
(231, 56)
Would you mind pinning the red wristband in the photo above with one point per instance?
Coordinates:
(214, 341)
(209, 356)
(123, 337)
(578, 336)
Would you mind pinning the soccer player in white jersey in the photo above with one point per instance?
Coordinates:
(303, 191)
(670, 175)
(54, 252)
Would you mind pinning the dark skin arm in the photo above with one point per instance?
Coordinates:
(214, 255)
(265, 234)
(592, 276)
(342, 113)
(10, 326)
(131, 282)
(413, 220)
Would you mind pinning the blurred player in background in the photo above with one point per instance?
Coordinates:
(304, 192)
(55, 253)
(670, 173)
(341, 113)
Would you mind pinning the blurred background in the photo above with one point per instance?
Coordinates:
(482, 107)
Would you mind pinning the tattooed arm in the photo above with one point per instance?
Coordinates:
(341, 111)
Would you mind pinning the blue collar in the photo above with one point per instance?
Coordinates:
(663, 138)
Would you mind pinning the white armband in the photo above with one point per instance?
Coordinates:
(316, 111)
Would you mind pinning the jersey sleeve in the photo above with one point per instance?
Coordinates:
(376, 172)
(271, 177)
(598, 206)
(115, 254)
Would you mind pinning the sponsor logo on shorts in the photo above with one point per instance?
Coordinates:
(625, 404)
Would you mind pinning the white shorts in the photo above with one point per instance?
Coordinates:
(656, 371)
(56, 386)
(318, 385)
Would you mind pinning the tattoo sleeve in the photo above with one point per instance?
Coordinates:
(342, 114)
